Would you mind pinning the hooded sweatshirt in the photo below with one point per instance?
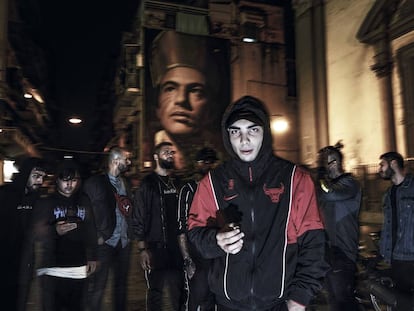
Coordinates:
(17, 206)
(274, 203)
(16, 209)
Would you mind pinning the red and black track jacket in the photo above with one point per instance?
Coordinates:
(283, 252)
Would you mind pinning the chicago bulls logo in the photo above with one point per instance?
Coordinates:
(274, 193)
(231, 184)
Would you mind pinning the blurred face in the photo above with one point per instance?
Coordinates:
(246, 138)
(35, 180)
(331, 166)
(203, 167)
(124, 162)
(68, 186)
(182, 102)
(385, 171)
(166, 157)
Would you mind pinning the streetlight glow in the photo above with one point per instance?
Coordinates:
(279, 124)
(75, 120)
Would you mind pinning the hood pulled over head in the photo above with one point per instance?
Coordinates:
(254, 110)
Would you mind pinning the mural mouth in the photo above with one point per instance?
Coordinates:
(182, 117)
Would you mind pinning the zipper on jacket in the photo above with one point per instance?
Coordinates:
(164, 233)
(252, 219)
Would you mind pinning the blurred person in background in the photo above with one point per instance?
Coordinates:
(155, 228)
(397, 235)
(17, 202)
(196, 267)
(339, 195)
(65, 232)
(111, 201)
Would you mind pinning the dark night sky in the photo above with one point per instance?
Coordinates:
(81, 41)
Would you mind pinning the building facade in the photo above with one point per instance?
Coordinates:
(262, 66)
(354, 72)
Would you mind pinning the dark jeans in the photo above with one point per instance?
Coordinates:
(25, 276)
(62, 294)
(199, 294)
(340, 282)
(403, 275)
(116, 259)
(279, 307)
(165, 281)
(165, 289)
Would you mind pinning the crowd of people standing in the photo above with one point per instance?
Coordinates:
(256, 232)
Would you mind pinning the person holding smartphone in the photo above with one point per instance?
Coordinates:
(65, 232)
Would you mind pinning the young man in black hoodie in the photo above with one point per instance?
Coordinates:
(65, 232)
(256, 216)
(17, 203)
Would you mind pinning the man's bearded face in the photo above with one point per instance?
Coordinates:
(166, 158)
(385, 170)
(35, 180)
(167, 164)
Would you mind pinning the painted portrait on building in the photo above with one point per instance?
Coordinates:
(187, 91)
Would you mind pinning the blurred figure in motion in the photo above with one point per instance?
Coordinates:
(397, 236)
(195, 266)
(339, 195)
(66, 235)
(111, 201)
(16, 211)
(156, 230)
(257, 218)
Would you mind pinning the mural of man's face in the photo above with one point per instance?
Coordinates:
(182, 101)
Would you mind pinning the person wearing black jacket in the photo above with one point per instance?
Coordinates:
(17, 203)
(65, 234)
(257, 218)
(196, 267)
(339, 195)
(111, 200)
(155, 228)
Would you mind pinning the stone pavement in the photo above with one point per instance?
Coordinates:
(137, 283)
(136, 289)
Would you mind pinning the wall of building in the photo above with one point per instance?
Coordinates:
(258, 69)
(311, 79)
(343, 91)
(353, 93)
(402, 117)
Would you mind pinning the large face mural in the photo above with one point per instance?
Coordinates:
(187, 91)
